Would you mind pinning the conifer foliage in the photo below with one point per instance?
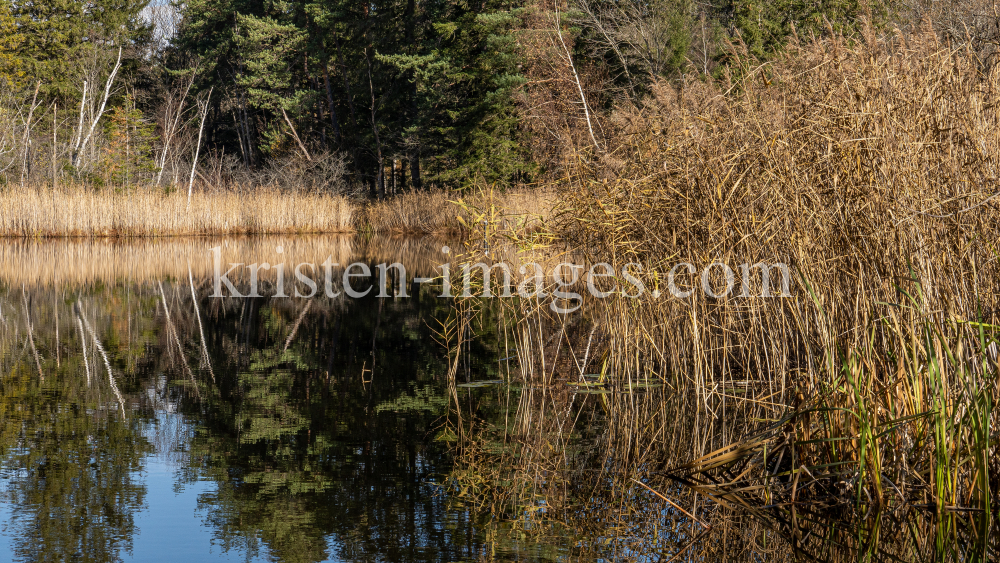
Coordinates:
(415, 92)
(128, 153)
(407, 94)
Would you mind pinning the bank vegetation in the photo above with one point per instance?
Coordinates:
(863, 403)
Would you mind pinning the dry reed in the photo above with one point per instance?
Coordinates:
(81, 211)
(441, 212)
(870, 168)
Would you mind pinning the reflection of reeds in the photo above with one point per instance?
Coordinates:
(871, 388)
(562, 455)
(72, 262)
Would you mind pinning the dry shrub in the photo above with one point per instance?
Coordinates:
(976, 22)
(325, 173)
(552, 107)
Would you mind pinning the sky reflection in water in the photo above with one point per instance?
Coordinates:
(294, 431)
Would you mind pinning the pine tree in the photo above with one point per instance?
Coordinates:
(268, 74)
(765, 25)
(430, 83)
(466, 94)
(10, 41)
(128, 155)
(61, 37)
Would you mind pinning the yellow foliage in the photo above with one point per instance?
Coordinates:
(10, 39)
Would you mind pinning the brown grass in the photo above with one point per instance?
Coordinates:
(443, 212)
(871, 169)
(81, 211)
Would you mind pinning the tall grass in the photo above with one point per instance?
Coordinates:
(81, 211)
(438, 212)
(38, 211)
(870, 168)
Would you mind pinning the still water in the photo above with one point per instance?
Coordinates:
(142, 419)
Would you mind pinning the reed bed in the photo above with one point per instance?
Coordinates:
(869, 167)
(635, 465)
(453, 212)
(413, 213)
(80, 211)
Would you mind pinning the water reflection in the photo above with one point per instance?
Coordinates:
(71, 478)
(596, 467)
(319, 425)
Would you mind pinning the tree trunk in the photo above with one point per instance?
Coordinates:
(100, 112)
(415, 170)
(395, 165)
(239, 134)
(203, 108)
(55, 179)
(171, 126)
(414, 153)
(245, 124)
(329, 100)
(295, 134)
(380, 177)
(26, 162)
(343, 75)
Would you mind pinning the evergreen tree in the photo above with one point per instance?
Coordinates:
(128, 154)
(10, 41)
(765, 26)
(434, 86)
(466, 79)
(62, 37)
(268, 75)
(385, 82)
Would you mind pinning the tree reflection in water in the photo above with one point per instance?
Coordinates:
(315, 421)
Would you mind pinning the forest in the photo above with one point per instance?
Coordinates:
(373, 98)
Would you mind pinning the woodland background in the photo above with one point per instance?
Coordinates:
(376, 97)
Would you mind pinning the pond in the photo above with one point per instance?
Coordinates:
(180, 400)
(141, 419)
